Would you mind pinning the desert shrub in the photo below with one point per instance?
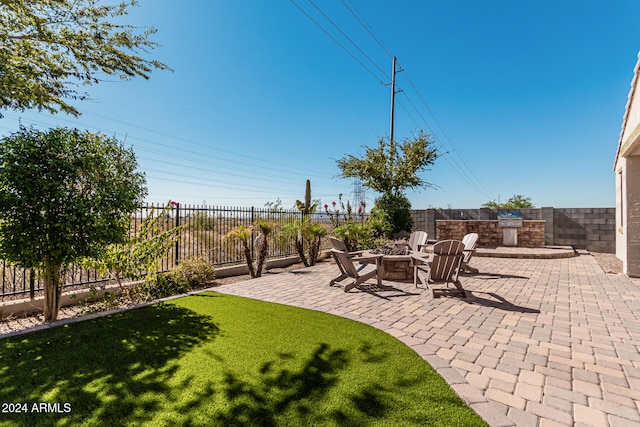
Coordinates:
(202, 221)
(166, 285)
(190, 273)
(194, 271)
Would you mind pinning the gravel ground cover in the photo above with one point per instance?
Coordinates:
(17, 323)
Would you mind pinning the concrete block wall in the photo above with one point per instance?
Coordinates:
(583, 228)
(586, 228)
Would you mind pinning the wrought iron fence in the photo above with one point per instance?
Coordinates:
(202, 231)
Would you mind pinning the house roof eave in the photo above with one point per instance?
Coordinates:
(632, 93)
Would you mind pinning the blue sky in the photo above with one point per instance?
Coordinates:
(521, 97)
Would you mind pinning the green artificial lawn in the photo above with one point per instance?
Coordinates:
(213, 359)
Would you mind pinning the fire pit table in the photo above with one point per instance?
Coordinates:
(396, 265)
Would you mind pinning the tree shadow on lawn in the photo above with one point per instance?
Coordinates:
(126, 369)
(108, 369)
(308, 396)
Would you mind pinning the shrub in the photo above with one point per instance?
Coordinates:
(202, 221)
(379, 224)
(166, 285)
(194, 271)
(398, 210)
(355, 235)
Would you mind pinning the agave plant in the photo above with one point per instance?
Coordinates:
(243, 234)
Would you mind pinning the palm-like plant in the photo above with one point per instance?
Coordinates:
(262, 243)
(315, 232)
(305, 231)
(294, 230)
(243, 234)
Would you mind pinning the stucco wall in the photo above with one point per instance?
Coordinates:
(621, 242)
(631, 211)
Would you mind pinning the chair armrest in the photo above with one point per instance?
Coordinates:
(370, 257)
(416, 259)
(355, 253)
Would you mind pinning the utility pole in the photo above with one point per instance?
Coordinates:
(393, 97)
(392, 145)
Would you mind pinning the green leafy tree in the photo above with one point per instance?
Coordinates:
(49, 48)
(389, 171)
(493, 205)
(141, 254)
(65, 195)
(518, 201)
(398, 210)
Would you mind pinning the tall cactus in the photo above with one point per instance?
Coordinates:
(306, 208)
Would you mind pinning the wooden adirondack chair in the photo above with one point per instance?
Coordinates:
(418, 241)
(339, 245)
(443, 269)
(358, 273)
(470, 242)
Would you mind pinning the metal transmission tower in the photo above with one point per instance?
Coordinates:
(358, 193)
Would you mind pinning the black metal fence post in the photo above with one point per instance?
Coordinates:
(177, 257)
(32, 285)
(253, 249)
(194, 240)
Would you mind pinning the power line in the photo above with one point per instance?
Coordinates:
(459, 169)
(177, 152)
(455, 148)
(359, 18)
(337, 42)
(349, 38)
(354, 12)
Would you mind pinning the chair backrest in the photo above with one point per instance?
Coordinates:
(344, 263)
(337, 244)
(470, 241)
(417, 239)
(447, 256)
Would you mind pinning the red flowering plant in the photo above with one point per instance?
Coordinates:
(349, 226)
(344, 214)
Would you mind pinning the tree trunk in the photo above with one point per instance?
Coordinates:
(249, 258)
(314, 249)
(300, 249)
(263, 244)
(51, 293)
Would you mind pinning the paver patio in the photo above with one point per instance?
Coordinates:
(540, 342)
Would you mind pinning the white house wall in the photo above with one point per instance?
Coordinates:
(627, 170)
(629, 232)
